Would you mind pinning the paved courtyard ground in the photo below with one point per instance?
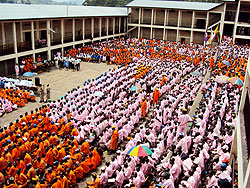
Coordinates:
(60, 82)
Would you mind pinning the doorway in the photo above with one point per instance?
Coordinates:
(27, 36)
(44, 34)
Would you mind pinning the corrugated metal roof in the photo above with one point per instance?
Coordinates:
(34, 11)
(185, 5)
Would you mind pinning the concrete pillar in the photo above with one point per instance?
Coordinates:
(152, 20)
(178, 25)
(207, 22)
(164, 30)
(83, 29)
(142, 15)
(125, 21)
(192, 27)
(107, 27)
(48, 40)
(62, 51)
(120, 22)
(114, 26)
(21, 31)
(100, 27)
(222, 21)
(155, 10)
(236, 20)
(92, 27)
(37, 30)
(51, 33)
(32, 36)
(14, 36)
(3, 33)
(167, 17)
(139, 22)
(62, 31)
(74, 30)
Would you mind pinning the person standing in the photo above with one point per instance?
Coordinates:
(56, 61)
(114, 139)
(144, 107)
(42, 93)
(78, 61)
(163, 80)
(17, 70)
(48, 93)
(156, 96)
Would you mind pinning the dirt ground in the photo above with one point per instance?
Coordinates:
(60, 82)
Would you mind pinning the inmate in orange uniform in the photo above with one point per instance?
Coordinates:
(114, 140)
(144, 107)
(156, 96)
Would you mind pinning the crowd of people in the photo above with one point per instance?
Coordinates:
(14, 93)
(70, 61)
(144, 102)
(28, 64)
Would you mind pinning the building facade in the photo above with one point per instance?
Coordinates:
(32, 30)
(188, 21)
(240, 152)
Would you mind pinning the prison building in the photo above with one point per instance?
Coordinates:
(188, 21)
(240, 152)
(32, 30)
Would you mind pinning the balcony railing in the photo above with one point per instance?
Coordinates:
(88, 36)
(198, 26)
(158, 22)
(170, 23)
(6, 49)
(78, 37)
(40, 43)
(187, 25)
(243, 31)
(96, 34)
(56, 41)
(24, 46)
(68, 37)
(146, 21)
(134, 21)
(116, 30)
(104, 33)
(110, 32)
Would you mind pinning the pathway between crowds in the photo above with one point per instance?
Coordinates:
(60, 82)
(199, 95)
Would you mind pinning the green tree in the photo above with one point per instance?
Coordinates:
(107, 3)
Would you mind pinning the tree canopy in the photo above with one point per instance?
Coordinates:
(106, 3)
(122, 3)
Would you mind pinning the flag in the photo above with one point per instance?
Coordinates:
(205, 37)
(215, 32)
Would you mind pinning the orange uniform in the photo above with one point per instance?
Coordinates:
(114, 140)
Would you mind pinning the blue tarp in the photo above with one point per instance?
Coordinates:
(29, 74)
